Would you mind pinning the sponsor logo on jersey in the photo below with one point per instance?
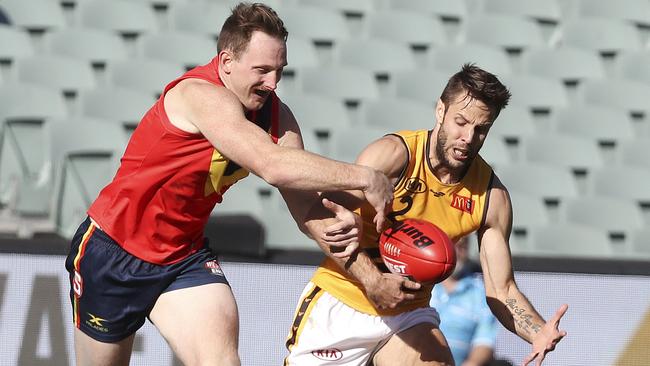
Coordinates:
(97, 323)
(214, 267)
(415, 185)
(462, 203)
(436, 193)
(331, 354)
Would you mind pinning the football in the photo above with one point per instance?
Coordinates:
(418, 249)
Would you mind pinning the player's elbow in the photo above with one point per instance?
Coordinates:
(273, 172)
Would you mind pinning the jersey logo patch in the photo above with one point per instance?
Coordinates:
(415, 185)
(331, 354)
(462, 203)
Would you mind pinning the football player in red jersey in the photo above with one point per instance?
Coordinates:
(142, 254)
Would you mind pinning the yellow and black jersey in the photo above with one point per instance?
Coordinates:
(458, 209)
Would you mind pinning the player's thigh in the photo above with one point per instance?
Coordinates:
(90, 352)
(422, 344)
(200, 323)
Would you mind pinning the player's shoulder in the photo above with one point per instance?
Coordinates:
(200, 90)
(411, 134)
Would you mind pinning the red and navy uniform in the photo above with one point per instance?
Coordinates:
(146, 233)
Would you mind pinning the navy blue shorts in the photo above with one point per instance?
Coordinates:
(112, 292)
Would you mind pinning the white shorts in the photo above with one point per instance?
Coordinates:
(327, 332)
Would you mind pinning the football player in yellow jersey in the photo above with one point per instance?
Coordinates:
(353, 312)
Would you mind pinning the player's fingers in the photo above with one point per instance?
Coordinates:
(338, 226)
(410, 285)
(559, 314)
(408, 296)
(341, 243)
(542, 355)
(333, 206)
(333, 239)
(380, 221)
(347, 252)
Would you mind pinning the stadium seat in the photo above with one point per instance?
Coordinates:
(536, 92)
(634, 11)
(508, 32)
(315, 23)
(86, 155)
(187, 49)
(635, 153)
(317, 112)
(514, 123)
(572, 241)
(495, 152)
(641, 244)
(424, 85)
(600, 123)
(347, 84)
(354, 7)
(538, 180)
(603, 35)
(632, 65)
(527, 212)
(93, 45)
(380, 57)
(66, 74)
(301, 53)
(578, 154)
(567, 64)
(406, 27)
(116, 104)
(398, 114)
(632, 96)
(546, 11)
(623, 182)
(15, 44)
(615, 216)
(450, 58)
(348, 143)
(145, 75)
(24, 108)
(445, 9)
(201, 17)
(122, 16)
(23, 166)
(282, 232)
(30, 101)
(241, 199)
(34, 15)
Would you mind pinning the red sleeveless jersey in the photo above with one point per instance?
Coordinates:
(169, 181)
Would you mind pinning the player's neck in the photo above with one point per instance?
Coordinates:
(444, 172)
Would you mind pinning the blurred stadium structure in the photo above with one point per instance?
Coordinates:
(77, 75)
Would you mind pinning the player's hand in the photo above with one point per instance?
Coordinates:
(344, 236)
(547, 338)
(379, 193)
(390, 290)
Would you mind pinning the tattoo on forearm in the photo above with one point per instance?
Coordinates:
(522, 319)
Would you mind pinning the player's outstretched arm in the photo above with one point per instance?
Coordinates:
(199, 106)
(505, 299)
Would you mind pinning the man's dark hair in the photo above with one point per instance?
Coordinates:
(476, 83)
(245, 19)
